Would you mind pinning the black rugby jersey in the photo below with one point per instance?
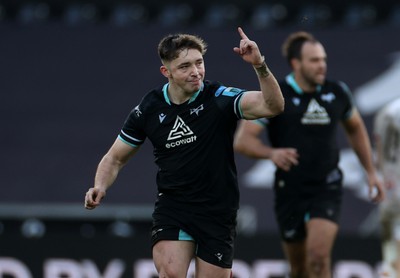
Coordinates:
(309, 124)
(192, 144)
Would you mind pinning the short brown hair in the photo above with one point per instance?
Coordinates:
(171, 46)
(292, 46)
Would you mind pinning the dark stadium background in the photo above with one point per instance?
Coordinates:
(70, 72)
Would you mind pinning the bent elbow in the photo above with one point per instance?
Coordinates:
(281, 107)
(238, 146)
(278, 108)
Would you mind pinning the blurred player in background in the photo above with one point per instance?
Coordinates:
(387, 143)
(191, 124)
(308, 181)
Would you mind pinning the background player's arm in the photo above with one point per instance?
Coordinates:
(248, 142)
(107, 171)
(359, 141)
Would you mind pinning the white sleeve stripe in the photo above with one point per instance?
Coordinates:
(130, 137)
(237, 108)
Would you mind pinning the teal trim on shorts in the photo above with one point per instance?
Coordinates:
(185, 236)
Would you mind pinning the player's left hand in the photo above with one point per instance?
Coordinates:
(93, 197)
(376, 189)
(248, 50)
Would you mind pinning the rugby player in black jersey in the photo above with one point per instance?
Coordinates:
(308, 182)
(191, 123)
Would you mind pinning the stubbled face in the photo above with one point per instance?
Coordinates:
(313, 64)
(186, 73)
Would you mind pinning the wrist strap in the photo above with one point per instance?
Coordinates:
(262, 71)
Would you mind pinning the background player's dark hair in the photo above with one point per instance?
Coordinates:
(171, 46)
(292, 46)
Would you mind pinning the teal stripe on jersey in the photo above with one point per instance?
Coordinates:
(165, 93)
(193, 98)
(126, 142)
(185, 236)
(292, 82)
(260, 122)
(240, 108)
(346, 89)
(307, 217)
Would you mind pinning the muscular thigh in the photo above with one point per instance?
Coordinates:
(173, 254)
(321, 234)
(213, 235)
(205, 269)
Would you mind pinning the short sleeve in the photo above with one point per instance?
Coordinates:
(228, 98)
(132, 132)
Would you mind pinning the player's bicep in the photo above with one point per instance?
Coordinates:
(253, 106)
(121, 152)
(353, 122)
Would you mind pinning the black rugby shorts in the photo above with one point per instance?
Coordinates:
(297, 202)
(213, 235)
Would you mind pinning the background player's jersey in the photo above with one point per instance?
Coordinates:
(387, 128)
(309, 124)
(192, 144)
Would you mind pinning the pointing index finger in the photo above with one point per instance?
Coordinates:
(242, 34)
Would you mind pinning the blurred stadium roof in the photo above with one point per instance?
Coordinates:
(261, 14)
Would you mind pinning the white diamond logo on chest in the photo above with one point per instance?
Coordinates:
(179, 129)
(315, 114)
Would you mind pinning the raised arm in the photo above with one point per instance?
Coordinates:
(268, 101)
(107, 171)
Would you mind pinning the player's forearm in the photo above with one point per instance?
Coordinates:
(361, 145)
(107, 172)
(270, 89)
(253, 148)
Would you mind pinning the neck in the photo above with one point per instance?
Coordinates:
(177, 95)
(305, 86)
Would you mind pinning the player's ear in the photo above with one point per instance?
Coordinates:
(164, 71)
(295, 63)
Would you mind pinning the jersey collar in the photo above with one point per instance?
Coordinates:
(292, 83)
(165, 93)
